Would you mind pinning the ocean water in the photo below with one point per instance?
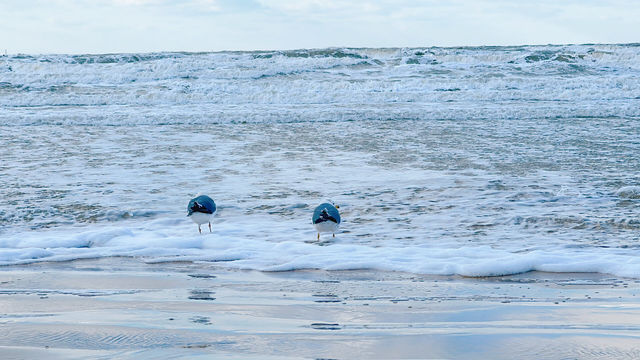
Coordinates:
(472, 161)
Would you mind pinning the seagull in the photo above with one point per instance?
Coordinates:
(201, 209)
(326, 218)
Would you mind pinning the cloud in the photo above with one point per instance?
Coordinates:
(207, 5)
(306, 6)
(204, 25)
(135, 2)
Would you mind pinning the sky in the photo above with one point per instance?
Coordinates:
(112, 26)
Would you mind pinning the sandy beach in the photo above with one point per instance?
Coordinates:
(126, 308)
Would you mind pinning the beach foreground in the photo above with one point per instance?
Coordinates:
(125, 308)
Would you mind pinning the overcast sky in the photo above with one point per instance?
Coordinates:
(104, 26)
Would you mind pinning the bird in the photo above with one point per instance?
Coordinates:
(326, 218)
(201, 209)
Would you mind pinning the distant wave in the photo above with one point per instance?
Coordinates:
(494, 54)
(354, 84)
(629, 192)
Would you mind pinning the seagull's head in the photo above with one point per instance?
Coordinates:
(195, 207)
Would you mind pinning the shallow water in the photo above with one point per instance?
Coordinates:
(472, 161)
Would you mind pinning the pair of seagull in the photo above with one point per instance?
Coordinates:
(325, 218)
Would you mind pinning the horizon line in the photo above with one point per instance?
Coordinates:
(5, 52)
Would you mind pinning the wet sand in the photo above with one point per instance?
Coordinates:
(125, 308)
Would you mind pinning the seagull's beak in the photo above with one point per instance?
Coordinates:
(337, 206)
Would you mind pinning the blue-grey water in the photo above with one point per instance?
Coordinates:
(472, 161)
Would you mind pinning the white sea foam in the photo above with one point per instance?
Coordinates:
(426, 197)
(231, 248)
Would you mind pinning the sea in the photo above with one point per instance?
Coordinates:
(472, 161)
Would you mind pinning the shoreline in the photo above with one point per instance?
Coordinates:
(122, 307)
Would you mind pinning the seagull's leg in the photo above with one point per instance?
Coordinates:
(210, 226)
(334, 235)
(318, 236)
(199, 230)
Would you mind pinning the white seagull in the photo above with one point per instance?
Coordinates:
(326, 218)
(201, 209)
